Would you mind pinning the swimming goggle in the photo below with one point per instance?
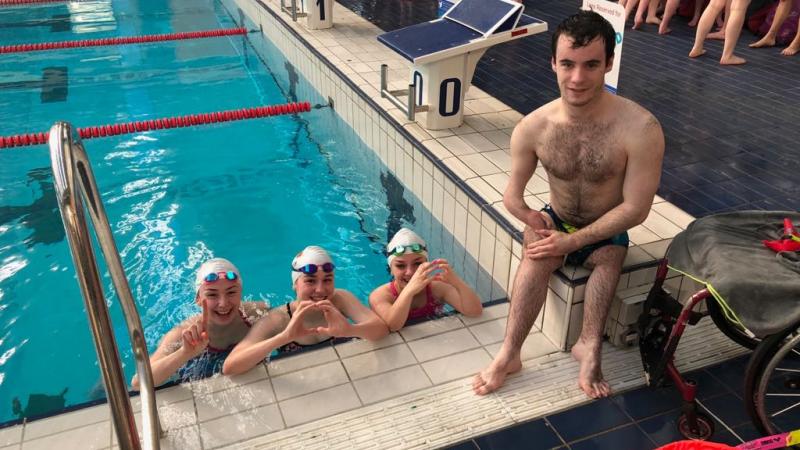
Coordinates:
(216, 276)
(413, 248)
(311, 269)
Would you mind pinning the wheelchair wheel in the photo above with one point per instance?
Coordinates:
(704, 431)
(727, 328)
(772, 383)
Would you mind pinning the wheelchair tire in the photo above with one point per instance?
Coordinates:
(763, 373)
(727, 328)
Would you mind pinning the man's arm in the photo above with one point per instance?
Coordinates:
(642, 176)
(523, 165)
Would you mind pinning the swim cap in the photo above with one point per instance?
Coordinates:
(215, 265)
(310, 255)
(405, 237)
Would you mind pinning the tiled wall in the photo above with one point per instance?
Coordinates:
(464, 217)
(468, 210)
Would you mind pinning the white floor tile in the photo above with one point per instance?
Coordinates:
(182, 439)
(391, 384)
(357, 346)
(96, 436)
(238, 427)
(319, 404)
(457, 366)
(11, 435)
(63, 422)
(489, 313)
(430, 327)
(490, 332)
(443, 344)
(221, 382)
(308, 380)
(301, 361)
(382, 360)
(231, 401)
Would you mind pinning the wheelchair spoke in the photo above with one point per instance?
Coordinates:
(782, 395)
(776, 414)
(781, 369)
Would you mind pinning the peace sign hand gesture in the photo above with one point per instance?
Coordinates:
(195, 338)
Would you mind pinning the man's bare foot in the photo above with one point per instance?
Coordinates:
(718, 35)
(637, 23)
(790, 51)
(653, 20)
(664, 29)
(693, 22)
(697, 52)
(492, 377)
(590, 377)
(766, 41)
(732, 61)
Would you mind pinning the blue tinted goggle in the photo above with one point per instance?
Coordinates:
(310, 269)
(413, 248)
(216, 276)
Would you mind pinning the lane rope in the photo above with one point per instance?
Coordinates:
(21, 140)
(19, 48)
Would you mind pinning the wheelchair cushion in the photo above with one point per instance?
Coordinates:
(725, 251)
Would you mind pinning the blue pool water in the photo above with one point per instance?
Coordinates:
(254, 191)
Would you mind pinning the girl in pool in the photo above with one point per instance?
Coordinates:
(197, 347)
(419, 288)
(318, 314)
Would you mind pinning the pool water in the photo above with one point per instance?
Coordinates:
(255, 192)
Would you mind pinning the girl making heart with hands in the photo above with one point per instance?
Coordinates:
(319, 313)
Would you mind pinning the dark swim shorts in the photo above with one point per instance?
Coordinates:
(578, 257)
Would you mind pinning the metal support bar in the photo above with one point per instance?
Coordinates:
(293, 11)
(74, 182)
(410, 107)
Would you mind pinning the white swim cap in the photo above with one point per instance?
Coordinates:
(310, 255)
(215, 266)
(405, 241)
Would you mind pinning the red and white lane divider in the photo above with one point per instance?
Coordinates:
(18, 48)
(21, 140)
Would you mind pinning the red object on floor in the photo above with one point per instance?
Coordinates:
(158, 124)
(18, 48)
(696, 445)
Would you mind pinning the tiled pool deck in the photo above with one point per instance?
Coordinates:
(411, 390)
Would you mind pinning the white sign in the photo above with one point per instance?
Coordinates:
(615, 14)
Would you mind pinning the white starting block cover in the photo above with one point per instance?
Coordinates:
(446, 51)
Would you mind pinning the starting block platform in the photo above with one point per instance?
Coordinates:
(446, 51)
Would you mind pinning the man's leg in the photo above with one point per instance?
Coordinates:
(529, 293)
(606, 264)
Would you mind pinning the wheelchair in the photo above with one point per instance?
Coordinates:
(750, 296)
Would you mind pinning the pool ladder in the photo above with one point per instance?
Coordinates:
(74, 182)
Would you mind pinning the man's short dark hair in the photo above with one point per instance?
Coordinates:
(583, 28)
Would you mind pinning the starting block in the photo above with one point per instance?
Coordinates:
(445, 53)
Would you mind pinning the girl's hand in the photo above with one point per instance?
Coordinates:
(422, 277)
(296, 327)
(194, 339)
(446, 275)
(337, 324)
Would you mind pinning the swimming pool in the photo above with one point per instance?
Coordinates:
(255, 192)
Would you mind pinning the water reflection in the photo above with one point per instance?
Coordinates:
(41, 216)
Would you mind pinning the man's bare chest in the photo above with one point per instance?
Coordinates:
(587, 152)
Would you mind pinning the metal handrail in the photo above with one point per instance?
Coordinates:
(74, 182)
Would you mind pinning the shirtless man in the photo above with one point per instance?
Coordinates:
(602, 154)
